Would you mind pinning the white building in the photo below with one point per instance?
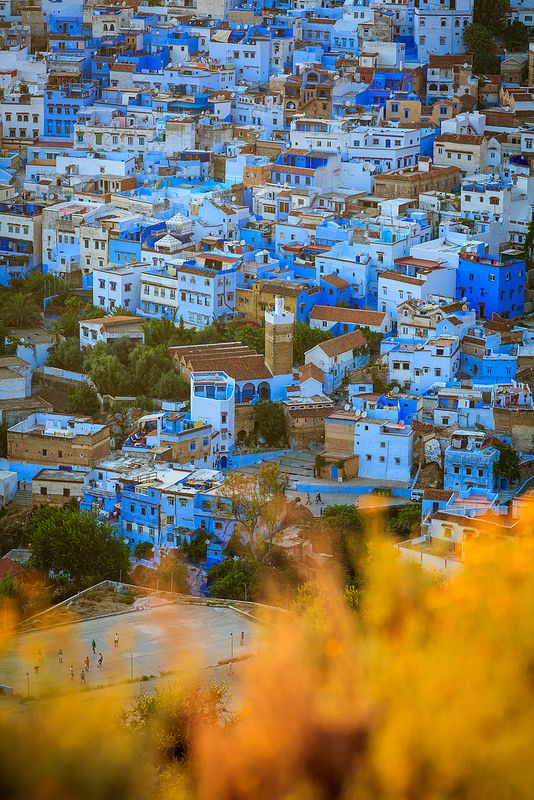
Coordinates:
(213, 401)
(15, 378)
(109, 329)
(384, 148)
(415, 279)
(439, 26)
(118, 286)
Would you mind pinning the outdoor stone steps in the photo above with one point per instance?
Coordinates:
(23, 497)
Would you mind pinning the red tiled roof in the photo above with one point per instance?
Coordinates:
(341, 344)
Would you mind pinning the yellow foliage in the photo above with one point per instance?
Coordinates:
(425, 693)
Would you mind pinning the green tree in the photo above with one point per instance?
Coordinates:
(405, 520)
(166, 332)
(3, 440)
(172, 714)
(508, 464)
(516, 37)
(147, 365)
(270, 422)
(66, 354)
(171, 387)
(144, 550)
(83, 399)
(121, 311)
(107, 372)
(479, 40)
(19, 310)
(340, 531)
(8, 342)
(491, 14)
(257, 506)
(235, 579)
(40, 285)
(75, 546)
(304, 338)
(197, 550)
(529, 244)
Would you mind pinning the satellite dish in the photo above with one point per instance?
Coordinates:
(395, 390)
(364, 414)
(346, 407)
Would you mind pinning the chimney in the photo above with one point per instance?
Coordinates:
(424, 164)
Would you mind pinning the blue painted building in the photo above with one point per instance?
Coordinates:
(491, 286)
(469, 462)
(61, 108)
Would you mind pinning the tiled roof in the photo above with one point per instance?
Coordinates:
(341, 344)
(355, 316)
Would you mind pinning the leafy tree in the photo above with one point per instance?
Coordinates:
(516, 37)
(66, 354)
(304, 338)
(144, 550)
(40, 285)
(479, 41)
(405, 520)
(83, 399)
(121, 311)
(508, 464)
(197, 550)
(19, 310)
(257, 505)
(374, 339)
(340, 531)
(8, 342)
(76, 546)
(270, 422)
(107, 372)
(491, 14)
(235, 579)
(166, 332)
(173, 573)
(147, 365)
(529, 243)
(171, 387)
(3, 440)
(172, 715)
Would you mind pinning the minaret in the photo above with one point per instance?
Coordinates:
(279, 338)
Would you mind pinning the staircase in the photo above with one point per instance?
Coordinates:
(23, 497)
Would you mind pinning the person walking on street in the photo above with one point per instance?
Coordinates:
(116, 639)
(242, 641)
(71, 672)
(93, 645)
(60, 656)
(40, 656)
(318, 498)
(100, 660)
(82, 677)
(308, 501)
(36, 670)
(86, 662)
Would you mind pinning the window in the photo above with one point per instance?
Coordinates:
(491, 277)
(66, 492)
(44, 490)
(45, 452)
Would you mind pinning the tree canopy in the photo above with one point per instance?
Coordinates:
(479, 40)
(491, 14)
(83, 399)
(74, 546)
(270, 422)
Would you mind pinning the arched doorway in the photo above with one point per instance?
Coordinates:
(264, 391)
